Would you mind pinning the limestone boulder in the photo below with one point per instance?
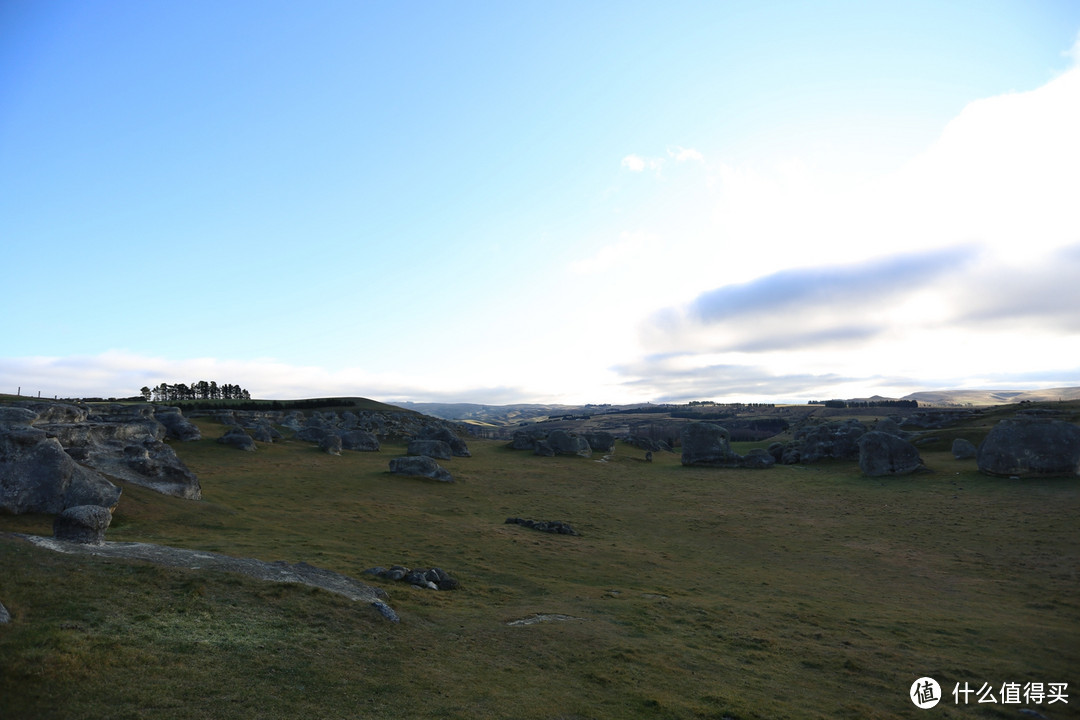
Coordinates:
(238, 438)
(177, 426)
(437, 449)
(420, 466)
(600, 441)
(359, 440)
(964, 449)
(563, 442)
(881, 454)
(330, 444)
(706, 444)
(37, 475)
(1031, 447)
(84, 524)
(458, 447)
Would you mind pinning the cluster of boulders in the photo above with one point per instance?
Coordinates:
(709, 445)
(552, 526)
(431, 442)
(549, 443)
(59, 455)
(429, 578)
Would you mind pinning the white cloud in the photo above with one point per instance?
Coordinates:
(681, 154)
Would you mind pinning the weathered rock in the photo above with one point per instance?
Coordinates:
(1031, 447)
(756, 459)
(889, 426)
(420, 466)
(265, 432)
(543, 448)
(964, 449)
(776, 450)
(458, 447)
(432, 448)
(706, 444)
(884, 454)
(238, 438)
(552, 526)
(568, 443)
(82, 524)
(37, 475)
(176, 425)
(313, 434)
(359, 440)
(100, 437)
(330, 444)
(429, 578)
(600, 441)
(5, 616)
(839, 440)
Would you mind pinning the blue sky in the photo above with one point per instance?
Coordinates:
(509, 202)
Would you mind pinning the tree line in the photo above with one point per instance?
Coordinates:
(201, 390)
(911, 404)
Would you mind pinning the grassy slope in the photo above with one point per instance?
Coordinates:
(796, 592)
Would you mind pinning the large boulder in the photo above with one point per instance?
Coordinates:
(706, 444)
(84, 524)
(432, 448)
(881, 453)
(458, 447)
(360, 440)
(419, 466)
(964, 449)
(568, 443)
(330, 444)
(238, 438)
(600, 441)
(1031, 447)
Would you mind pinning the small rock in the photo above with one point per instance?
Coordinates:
(5, 616)
(84, 524)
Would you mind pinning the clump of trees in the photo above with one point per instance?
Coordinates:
(201, 390)
(910, 404)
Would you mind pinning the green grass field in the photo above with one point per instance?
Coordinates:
(795, 592)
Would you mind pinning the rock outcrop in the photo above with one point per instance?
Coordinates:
(37, 475)
(330, 444)
(420, 466)
(118, 441)
(1031, 447)
(881, 453)
(82, 524)
(428, 578)
(359, 440)
(552, 526)
(177, 427)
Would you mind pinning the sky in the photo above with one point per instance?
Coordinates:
(565, 202)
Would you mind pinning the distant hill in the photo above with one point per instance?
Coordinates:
(993, 397)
